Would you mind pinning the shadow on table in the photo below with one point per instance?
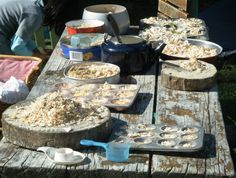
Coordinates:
(133, 159)
(101, 155)
(128, 80)
(86, 161)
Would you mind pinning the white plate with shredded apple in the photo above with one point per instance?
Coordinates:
(93, 72)
(191, 48)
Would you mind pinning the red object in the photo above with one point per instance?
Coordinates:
(72, 31)
(77, 26)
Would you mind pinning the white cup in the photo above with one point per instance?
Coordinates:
(63, 154)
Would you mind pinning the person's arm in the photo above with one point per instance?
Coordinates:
(29, 22)
(29, 48)
(19, 47)
(31, 45)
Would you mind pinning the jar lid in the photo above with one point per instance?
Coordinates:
(83, 40)
(128, 39)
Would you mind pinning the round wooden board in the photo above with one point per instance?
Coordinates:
(27, 136)
(176, 79)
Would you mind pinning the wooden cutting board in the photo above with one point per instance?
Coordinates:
(180, 79)
(33, 137)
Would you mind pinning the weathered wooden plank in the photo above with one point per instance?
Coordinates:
(98, 166)
(193, 108)
(140, 112)
(7, 151)
(159, 14)
(14, 167)
(171, 11)
(179, 3)
(95, 165)
(185, 80)
(223, 158)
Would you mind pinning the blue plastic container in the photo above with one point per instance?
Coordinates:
(117, 152)
(73, 47)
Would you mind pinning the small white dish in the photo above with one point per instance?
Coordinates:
(63, 154)
(71, 157)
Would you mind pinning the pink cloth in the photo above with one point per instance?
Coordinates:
(20, 69)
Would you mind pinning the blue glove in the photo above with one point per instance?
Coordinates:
(22, 48)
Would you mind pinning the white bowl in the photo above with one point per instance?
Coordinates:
(63, 154)
(100, 11)
(114, 78)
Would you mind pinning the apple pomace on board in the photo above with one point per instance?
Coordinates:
(193, 75)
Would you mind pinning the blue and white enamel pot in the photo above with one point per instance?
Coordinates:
(132, 54)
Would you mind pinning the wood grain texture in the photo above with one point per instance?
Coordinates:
(140, 112)
(193, 108)
(171, 11)
(173, 107)
(21, 162)
(32, 138)
(180, 3)
(180, 79)
(159, 14)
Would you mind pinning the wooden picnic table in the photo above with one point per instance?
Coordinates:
(154, 105)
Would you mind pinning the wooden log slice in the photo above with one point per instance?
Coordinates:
(178, 79)
(33, 137)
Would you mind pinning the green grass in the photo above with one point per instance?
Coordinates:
(228, 73)
(227, 96)
(227, 90)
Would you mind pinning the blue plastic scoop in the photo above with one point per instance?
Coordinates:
(117, 152)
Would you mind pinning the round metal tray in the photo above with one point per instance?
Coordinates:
(197, 42)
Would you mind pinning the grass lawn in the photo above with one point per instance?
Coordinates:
(227, 95)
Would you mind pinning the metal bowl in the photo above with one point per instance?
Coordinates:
(84, 26)
(198, 42)
(114, 79)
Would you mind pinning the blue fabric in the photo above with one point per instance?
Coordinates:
(31, 45)
(21, 48)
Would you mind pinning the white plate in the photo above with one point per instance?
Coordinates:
(75, 159)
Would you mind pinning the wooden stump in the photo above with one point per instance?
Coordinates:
(27, 136)
(188, 80)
